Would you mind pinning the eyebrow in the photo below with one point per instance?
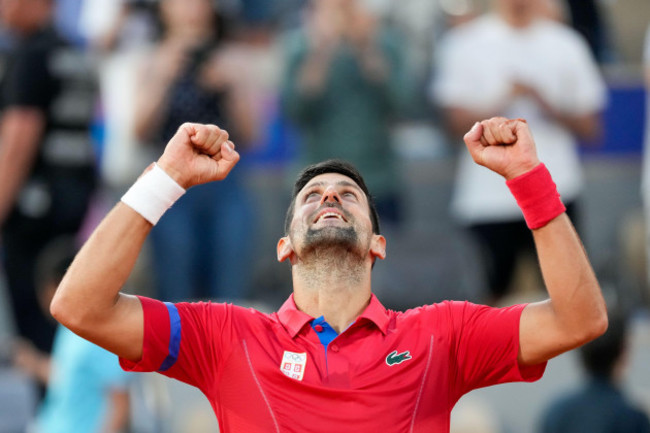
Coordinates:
(339, 183)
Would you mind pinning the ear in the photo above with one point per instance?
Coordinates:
(284, 250)
(378, 247)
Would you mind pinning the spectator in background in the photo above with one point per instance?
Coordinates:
(184, 79)
(47, 176)
(586, 18)
(532, 68)
(599, 406)
(120, 32)
(345, 81)
(86, 388)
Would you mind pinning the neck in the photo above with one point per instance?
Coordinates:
(336, 286)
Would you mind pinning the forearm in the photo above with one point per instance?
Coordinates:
(460, 120)
(312, 74)
(13, 172)
(151, 103)
(88, 300)
(570, 280)
(20, 132)
(374, 64)
(117, 419)
(575, 312)
(586, 127)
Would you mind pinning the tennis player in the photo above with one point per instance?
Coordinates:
(332, 358)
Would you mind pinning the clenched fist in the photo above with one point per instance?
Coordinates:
(198, 154)
(505, 146)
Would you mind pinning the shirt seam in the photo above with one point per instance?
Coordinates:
(424, 378)
(259, 387)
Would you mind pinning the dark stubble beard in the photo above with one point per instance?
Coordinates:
(331, 240)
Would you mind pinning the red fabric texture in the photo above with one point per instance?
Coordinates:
(234, 356)
(537, 196)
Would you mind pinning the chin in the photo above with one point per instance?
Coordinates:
(327, 237)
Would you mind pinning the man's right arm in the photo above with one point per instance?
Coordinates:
(88, 300)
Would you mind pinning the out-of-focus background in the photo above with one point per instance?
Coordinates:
(389, 85)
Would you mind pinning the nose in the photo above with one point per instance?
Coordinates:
(330, 195)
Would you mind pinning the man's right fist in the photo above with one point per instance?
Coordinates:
(198, 154)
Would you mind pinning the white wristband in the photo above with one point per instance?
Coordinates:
(152, 194)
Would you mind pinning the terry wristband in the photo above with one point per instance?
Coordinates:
(537, 196)
(152, 194)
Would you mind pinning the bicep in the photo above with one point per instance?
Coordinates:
(120, 330)
(540, 336)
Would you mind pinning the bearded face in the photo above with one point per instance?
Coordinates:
(326, 233)
(331, 215)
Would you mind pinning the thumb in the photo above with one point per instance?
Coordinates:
(473, 137)
(229, 157)
(475, 133)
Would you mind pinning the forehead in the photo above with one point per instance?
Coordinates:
(330, 179)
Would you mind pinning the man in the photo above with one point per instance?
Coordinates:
(346, 80)
(47, 98)
(531, 67)
(332, 358)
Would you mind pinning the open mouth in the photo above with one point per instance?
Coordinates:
(326, 215)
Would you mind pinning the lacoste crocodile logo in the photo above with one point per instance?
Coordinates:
(397, 358)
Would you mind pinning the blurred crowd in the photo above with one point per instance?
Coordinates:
(91, 90)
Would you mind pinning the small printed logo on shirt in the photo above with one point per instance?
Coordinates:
(397, 358)
(293, 364)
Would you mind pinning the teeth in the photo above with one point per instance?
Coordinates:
(331, 214)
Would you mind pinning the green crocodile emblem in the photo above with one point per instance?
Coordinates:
(397, 358)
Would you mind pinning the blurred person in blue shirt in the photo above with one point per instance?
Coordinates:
(86, 390)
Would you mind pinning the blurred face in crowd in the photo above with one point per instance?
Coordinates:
(518, 13)
(182, 16)
(340, 9)
(24, 15)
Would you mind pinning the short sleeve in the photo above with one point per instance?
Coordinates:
(184, 341)
(588, 89)
(485, 347)
(451, 83)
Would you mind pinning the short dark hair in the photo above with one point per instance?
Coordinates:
(599, 357)
(331, 166)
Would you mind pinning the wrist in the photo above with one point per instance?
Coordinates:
(176, 175)
(537, 196)
(521, 170)
(153, 193)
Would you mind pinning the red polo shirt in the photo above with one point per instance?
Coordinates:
(389, 371)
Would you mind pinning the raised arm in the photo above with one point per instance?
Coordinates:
(88, 300)
(575, 312)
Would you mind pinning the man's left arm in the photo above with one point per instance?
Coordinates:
(575, 312)
(20, 132)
